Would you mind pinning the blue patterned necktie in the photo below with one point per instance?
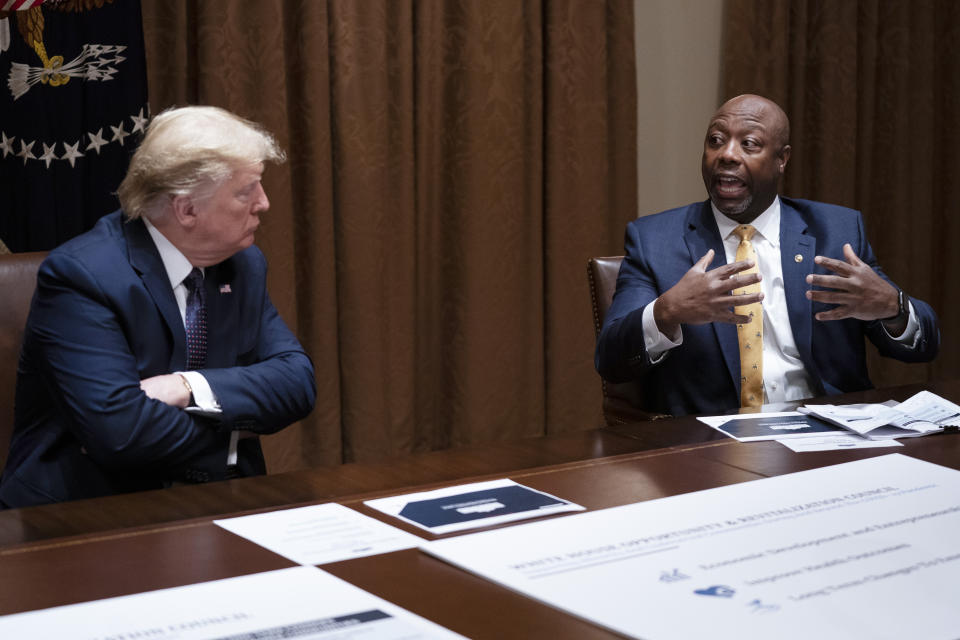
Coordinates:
(196, 320)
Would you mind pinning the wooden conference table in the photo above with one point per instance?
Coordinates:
(91, 549)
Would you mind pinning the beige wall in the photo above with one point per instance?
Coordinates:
(678, 76)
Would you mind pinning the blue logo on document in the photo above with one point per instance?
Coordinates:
(716, 590)
(757, 606)
(673, 576)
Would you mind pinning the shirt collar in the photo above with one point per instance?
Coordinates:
(767, 223)
(174, 262)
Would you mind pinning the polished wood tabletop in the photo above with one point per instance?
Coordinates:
(91, 549)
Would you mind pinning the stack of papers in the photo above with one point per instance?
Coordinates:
(792, 429)
(920, 415)
(819, 427)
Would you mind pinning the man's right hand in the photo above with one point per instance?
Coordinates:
(167, 388)
(704, 296)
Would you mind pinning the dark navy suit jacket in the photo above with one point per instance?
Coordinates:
(702, 375)
(104, 317)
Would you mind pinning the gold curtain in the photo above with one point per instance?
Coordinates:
(872, 89)
(452, 165)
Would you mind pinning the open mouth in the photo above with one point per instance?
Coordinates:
(730, 186)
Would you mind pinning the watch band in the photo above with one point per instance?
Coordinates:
(903, 306)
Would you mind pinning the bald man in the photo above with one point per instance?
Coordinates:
(807, 288)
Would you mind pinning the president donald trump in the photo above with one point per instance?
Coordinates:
(152, 353)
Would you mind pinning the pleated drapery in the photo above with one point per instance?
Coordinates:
(872, 89)
(452, 165)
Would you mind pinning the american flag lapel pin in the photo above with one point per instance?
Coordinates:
(225, 288)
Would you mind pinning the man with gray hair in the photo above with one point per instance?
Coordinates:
(153, 354)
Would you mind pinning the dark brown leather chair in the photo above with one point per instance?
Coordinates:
(622, 403)
(18, 279)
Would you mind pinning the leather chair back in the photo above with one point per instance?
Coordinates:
(18, 280)
(622, 403)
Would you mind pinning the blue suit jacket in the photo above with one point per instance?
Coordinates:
(103, 318)
(702, 375)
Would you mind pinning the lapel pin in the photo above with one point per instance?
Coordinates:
(798, 258)
(225, 288)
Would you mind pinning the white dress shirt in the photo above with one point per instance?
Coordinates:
(178, 268)
(784, 376)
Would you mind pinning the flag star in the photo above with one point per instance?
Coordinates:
(118, 133)
(49, 153)
(71, 152)
(6, 144)
(139, 122)
(26, 151)
(96, 141)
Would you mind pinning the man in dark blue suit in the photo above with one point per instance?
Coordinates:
(152, 354)
(674, 323)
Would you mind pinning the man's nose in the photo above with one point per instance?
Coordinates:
(730, 152)
(262, 203)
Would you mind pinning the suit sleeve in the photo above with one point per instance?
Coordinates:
(85, 359)
(621, 353)
(928, 343)
(273, 384)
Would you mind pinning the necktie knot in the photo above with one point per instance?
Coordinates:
(745, 232)
(194, 280)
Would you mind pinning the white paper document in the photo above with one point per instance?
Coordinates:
(470, 506)
(302, 602)
(922, 413)
(320, 533)
(835, 443)
(750, 427)
(866, 549)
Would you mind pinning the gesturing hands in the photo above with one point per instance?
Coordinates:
(856, 289)
(703, 296)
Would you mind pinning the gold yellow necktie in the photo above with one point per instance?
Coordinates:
(750, 335)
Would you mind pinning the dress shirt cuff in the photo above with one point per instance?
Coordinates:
(657, 342)
(910, 335)
(204, 400)
(205, 403)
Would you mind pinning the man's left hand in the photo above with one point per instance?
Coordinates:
(856, 289)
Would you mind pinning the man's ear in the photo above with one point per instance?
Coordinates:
(784, 158)
(184, 211)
